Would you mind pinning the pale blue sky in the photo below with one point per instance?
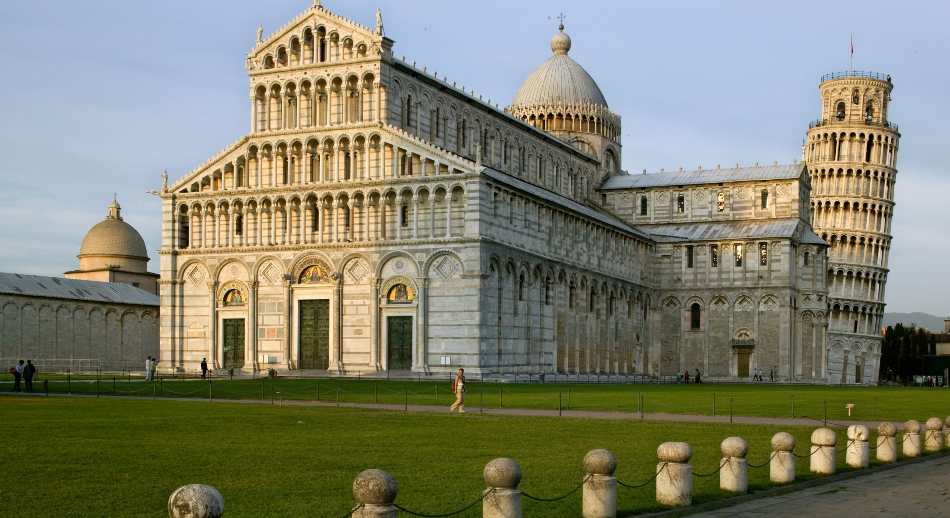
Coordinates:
(100, 96)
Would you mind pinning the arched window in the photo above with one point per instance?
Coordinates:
(643, 205)
(695, 316)
(571, 296)
(839, 111)
(521, 287)
(681, 204)
(806, 259)
(855, 96)
(592, 301)
(400, 294)
(869, 111)
(315, 219)
(233, 298)
(404, 216)
(239, 225)
(765, 198)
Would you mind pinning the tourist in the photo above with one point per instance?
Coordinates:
(148, 368)
(204, 368)
(458, 387)
(152, 369)
(17, 375)
(28, 372)
(686, 377)
(697, 378)
(772, 375)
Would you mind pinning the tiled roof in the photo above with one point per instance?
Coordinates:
(791, 228)
(705, 176)
(75, 289)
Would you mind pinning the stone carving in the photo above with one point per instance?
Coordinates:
(196, 274)
(447, 267)
(357, 271)
(196, 501)
(270, 274)
(744, 304)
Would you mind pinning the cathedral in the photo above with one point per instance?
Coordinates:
(378, 217)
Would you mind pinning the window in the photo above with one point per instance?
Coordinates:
(400, 294)
(404, 216)
(869, 111)
(314, 219)
(521, 287)
(643, 205)
(720, 201)
(714, 256)
(547, 292)
(592, 301)
(765, 199)
(571, 296)
(689, 256)
(695, 316)
(681, 204)
(239, 225)
(806, 259)
(763, 254)
(855, 97)
(855, 326)
(233, 298)
(738, 253)
(839, 111)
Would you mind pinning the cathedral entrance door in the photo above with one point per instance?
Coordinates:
(399, 343)
(314, 334)
(233, 343)
(743, 357)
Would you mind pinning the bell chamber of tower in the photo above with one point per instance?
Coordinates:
(851, 154)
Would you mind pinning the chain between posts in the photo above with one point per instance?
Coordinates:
(724, 462)
(766, 463)
(651, 479)
(562, 497)
(453, 513)
(351, 511)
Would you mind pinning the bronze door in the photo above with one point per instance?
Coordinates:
(743, 357)
(399, 342)
(233, 350)
(314, 334)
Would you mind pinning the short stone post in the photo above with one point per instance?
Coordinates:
(946, 432)
(858, 452)
(195, 501)
(782, 465)
(911, 440)
(734, 475)
(600, 485)
(822, 454)
(674, 475)
(375, 491)
(887, 442)
(502, 477)
(933, 437)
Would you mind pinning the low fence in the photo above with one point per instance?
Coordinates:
(375, 491)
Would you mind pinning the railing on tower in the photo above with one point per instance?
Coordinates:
(856, 73)
(871, 122)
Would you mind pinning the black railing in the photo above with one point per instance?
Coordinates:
(870, 122)
(856, 73)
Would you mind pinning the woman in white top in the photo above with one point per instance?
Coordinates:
(458, 387)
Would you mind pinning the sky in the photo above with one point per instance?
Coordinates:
(100, 96)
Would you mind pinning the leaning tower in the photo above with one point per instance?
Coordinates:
(851, 153)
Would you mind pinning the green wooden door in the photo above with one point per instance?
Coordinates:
(743, 358)
(314, 334)
(399, 342)
(233, 350)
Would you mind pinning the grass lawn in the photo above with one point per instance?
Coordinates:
(105, 457)
(871, 403)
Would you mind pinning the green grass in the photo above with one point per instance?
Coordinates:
(871, 403)
(108, 457)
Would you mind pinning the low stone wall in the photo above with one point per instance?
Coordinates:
(375, 491)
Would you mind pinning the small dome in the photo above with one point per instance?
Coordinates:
(113, 237)
(559, 81)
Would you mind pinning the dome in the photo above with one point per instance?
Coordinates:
(559, 81)
(113, 237)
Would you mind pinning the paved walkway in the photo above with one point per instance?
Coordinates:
(920, 489)
(528, 412)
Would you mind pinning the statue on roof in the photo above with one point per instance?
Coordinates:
(260, 34)
(379, 21)
(165, 180)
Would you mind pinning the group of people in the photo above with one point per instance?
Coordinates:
(696, 379)
(757, 376)
(23, 372)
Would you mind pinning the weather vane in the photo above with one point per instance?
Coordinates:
(560, 18)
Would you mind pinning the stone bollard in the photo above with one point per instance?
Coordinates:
(502, 477)
(782, 465)
(887, 442)
(858, 452)
(946, 432)
(933, 437)
(600, 485)
(734, 475)
(911, 440)
(822, 454)
(375, 492)
(674, 479)
(195, 501)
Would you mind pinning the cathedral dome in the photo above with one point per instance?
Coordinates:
(559, 81)
(113, 237)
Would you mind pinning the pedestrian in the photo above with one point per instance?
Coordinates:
(17, 375)
(697, 379)
(458, 388)
(148, 368)
(772, 375)
(686, 377)
(28, 372)
(204, 368)
(152, 369)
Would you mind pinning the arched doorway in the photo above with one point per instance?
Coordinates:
(399, 328)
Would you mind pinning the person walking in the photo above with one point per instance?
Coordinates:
(697, 379)
(17, 375)
(152, 368)
(148, 368)
(686, 376)
(29, 370)
(458, 387)
(204, 368)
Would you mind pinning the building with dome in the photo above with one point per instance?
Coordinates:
(378, 217)
(102, 316)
